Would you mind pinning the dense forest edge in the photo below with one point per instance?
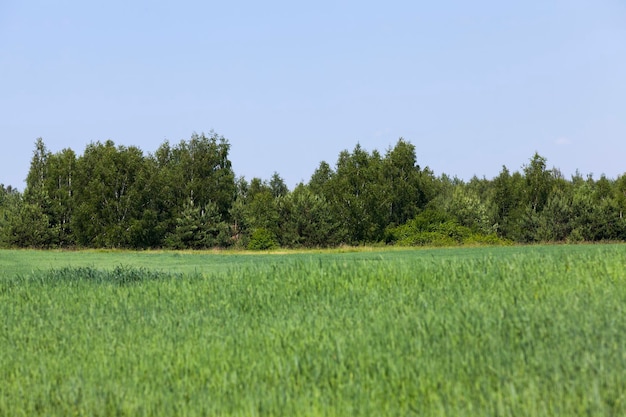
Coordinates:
(187, 196)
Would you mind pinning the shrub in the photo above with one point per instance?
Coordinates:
(434, 228)
(262, 239)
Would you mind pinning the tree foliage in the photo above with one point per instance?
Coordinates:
(186, 196)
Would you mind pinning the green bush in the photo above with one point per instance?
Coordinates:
(262, 239)
(434, 228)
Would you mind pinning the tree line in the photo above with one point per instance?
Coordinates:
(187, 196)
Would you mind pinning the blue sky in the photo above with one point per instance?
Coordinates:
(473, 85)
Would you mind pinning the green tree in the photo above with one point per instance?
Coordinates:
(109, 195)
(405, 182)
(60, 191)
(620, 195)
(38, 172)
(582, 212)
(507, 196)
(158, 209)
(277, 186)
(555, 223)
(239, 225)
(366, 191)
(199, 228)
(596, 211)
(469, 209)
(607, 223)
(306, 219)
(203, 172)
(10, 205)
(357, 196)
(32, 226)
(195, 173)
(538, 182)
(256, 208)
(49, 186)
(320, 179)
(262, 209)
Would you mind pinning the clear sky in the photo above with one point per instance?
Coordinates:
(474, 85)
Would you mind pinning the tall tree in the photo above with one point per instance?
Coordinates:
(506, 201)
(196, 175)
(356, 196)
(404, 179)
(109, 196)
(620, 195)
(278, 186)
(320, 178)
(555, 219)
(538, 182)
(309, 221)
(204, 171)
(10, 205)
(32, 226)
(60, 189)
(262, 208)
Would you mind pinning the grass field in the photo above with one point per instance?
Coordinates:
(509, 331)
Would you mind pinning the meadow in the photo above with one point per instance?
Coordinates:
(503, 331)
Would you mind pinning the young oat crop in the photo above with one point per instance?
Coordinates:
(535, 331)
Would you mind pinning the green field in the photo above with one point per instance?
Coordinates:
(509, 331)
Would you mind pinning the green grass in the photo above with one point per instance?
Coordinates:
(509, 331)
